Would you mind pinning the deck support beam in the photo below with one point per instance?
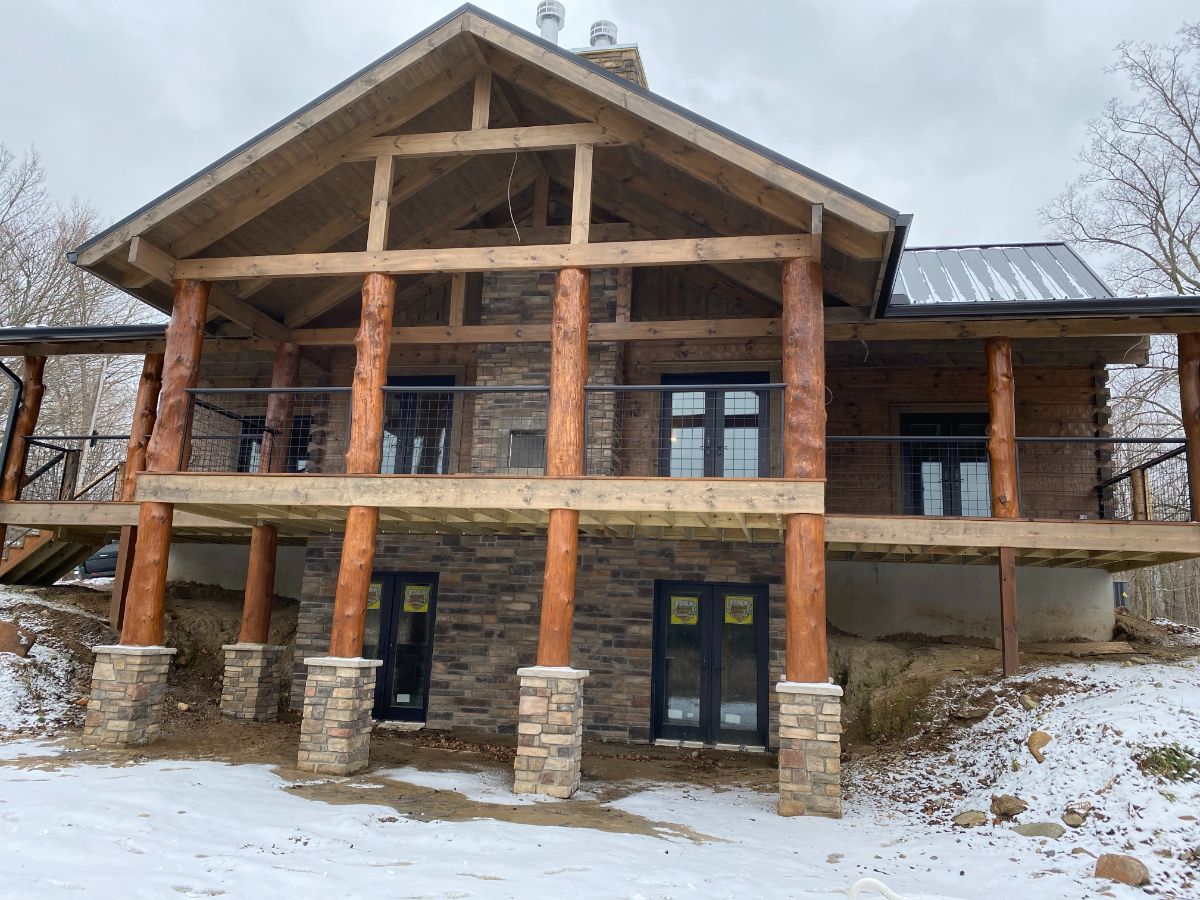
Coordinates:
(145, 412)
(1002, 469)
(33, 390)
(1189, 403)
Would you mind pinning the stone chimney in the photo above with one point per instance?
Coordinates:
(620, 59)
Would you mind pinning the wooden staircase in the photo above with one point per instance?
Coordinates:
(41, 558)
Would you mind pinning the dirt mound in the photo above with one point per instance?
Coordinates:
(1154, 634)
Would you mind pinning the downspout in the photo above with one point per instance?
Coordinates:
(18, 392)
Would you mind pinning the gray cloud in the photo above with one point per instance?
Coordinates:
(967, 114)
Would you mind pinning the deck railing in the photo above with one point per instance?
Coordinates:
(695, 429)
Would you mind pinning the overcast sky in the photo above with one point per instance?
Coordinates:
(966, 114)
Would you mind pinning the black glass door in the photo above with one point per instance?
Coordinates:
(710, 663)
(715, 432)
(945, 477)
(417, 427)
(399, 631)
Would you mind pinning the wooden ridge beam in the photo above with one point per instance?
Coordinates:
(485, 140)
(756, 248)
(161, 266)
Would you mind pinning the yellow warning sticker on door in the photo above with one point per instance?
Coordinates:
(739, 610)
(374, 595)
(416, 598)
(685, 610)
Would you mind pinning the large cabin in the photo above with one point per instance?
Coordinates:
(571, 414)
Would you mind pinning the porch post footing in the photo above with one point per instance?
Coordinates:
(810, 749)
(250, 686)
(128, 687)
(335, 732)
(549, 731)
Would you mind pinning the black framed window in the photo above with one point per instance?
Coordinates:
(250, 445)
(718, 431)
(945, 477)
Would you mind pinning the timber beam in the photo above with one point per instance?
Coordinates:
(757, 248)
(485, 140)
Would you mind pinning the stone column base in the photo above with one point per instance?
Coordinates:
(335, 734)
(250, 687)
(549, 731)
(810, 749)
(128, 686)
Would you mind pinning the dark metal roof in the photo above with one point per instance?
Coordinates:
(554, 48)
(62, 334)
(996, 273)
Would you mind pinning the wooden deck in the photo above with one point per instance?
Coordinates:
(222, 508)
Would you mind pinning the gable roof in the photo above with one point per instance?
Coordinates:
(215, 212)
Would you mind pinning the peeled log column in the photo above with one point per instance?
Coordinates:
(145, 411)
(33, 390)
(807, 654)
(1002, 468)
(362, 458)
(264, 539)
(1189, 404)
(143, 625)
(1002, 429)
(564, 458)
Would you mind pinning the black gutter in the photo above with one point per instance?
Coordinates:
(18, 394)
(892, 267)
(51, 334)
(1049, 309)
(73, 255)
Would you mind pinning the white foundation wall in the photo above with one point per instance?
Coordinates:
(878, 599)
(224, 565)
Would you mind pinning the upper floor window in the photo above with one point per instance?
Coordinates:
(944, 476)
(715, 428)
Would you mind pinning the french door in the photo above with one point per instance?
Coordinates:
(710, 663)
(399, 631)
(722, 431)
(945, 477)
(417, 426)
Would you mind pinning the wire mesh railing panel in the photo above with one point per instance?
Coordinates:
(1147, 481)
(479, 430)
(242, 430)
(685, 430)
(46, 465)
(911, 475)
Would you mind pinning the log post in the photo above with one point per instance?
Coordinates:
(809, 706)
(264, 539)
(807, 656)
(145, 411)
(143, 625)
(1002, 470)
(1139, 496)
(129, 680)
(1189, 407)
(564, 458)
(550, 714)
(363, 457)
(33, 390)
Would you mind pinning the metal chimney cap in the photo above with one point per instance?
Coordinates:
(603, 33)
(551, 16)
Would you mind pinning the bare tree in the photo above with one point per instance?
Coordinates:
(39, 287)
(1136, 205)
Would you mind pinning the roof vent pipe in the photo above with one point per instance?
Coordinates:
(604, 33)
(551, 16)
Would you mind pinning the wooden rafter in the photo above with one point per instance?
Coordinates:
(161, 266)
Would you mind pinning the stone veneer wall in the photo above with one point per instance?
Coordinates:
(489, 590)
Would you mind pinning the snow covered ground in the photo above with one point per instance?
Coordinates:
(192, 828)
